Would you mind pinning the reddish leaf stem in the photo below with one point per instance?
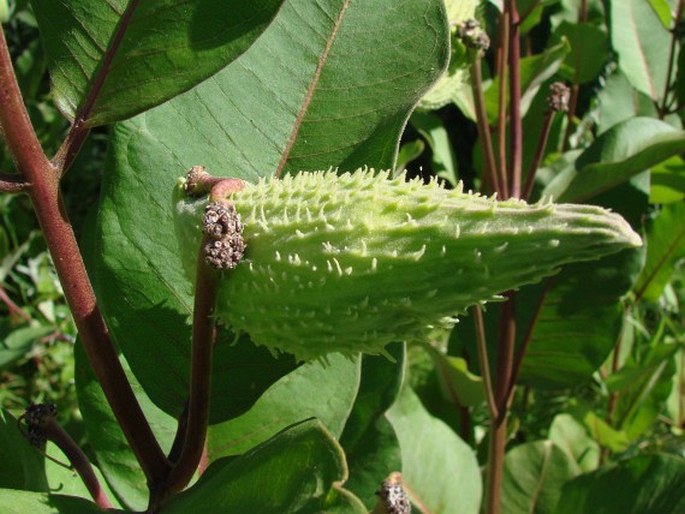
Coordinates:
(663, 108)
(204, 334)
(516, 125)
(503, 56)
(79, 131)
(12, 183)
(35, 168)
(13, 307)
(490, 180)
(79, 462)
(484, 362)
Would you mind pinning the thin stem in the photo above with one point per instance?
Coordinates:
(503, 57)
(516, 126)
(575, 88)
(79, 462)
(663, 109)
(539, 153)
(79, 131)
(498, 431)
(12, 183)
(518, 359)
(35, 168)
(13, 307)
(204, 334)
(483, 361)
(490, 181)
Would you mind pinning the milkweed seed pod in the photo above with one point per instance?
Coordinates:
(348, 263)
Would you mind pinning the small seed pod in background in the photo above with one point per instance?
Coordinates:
(392, 498)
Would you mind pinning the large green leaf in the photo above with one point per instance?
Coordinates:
(534, 475)
(665, 246)
(117, 58)
(299, 470)
(369, 440)
(114, 456)
(329, 83)
(588, 51)
(619, 101)
(627, 149)
(668, 181)
(323, 391)
(21, 465)
(571, 436)
(22, 502)
(440, 469)
(644, 484)
(642, 44)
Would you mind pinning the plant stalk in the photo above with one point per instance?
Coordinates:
(484, 362)
(12, 183)
(502, 59)
(663, 108)
(490, 180)
(79, 462)
(515, 121)
(35, 168)
(204, 335)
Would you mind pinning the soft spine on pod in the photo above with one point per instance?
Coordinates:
(348, 263)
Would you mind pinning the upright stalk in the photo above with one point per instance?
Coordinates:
(34, 168)
(664, 107)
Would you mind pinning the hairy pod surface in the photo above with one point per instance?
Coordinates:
(348, 263)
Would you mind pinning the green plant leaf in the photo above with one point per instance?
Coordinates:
(668, 181)
(248, 122)
(456, 381)
(578, 323)
(295, 397)
(606, 436)
(647, 483)
(295, 471)
(369, 440)
(22, 502)
(676, 400)
(663, 11)
(534, 475)
(619, 101)
(19, 342)
(572, 437)
(439, 468)
(114, 456)
(642, 44)
(431, 127)
(21, 465)
(644, 388)
(588, 51)
(627, 149)
(116, 59)
(665, 246)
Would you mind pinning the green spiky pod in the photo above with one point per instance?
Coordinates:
(348, 263)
